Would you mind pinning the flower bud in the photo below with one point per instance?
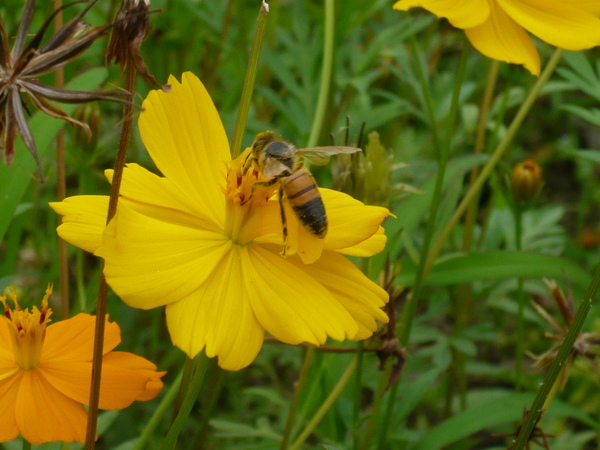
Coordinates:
(525, 181)
(379, 163)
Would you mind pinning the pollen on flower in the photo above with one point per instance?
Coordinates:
(27, 329)
(241, 178)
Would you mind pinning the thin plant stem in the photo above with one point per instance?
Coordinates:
(486, 103)
(464, 292)
(214, 393)
(159, 414)
(200, 366)
(420, 67)
(377, 403)
(61, 183)
(326, 74)
(557, 364)
(188, 370)
(519, 348)
(357, 390)
(493, 161)
(130, 77)
(249, 81)
(409, 310)
(328, 403)
(26, 445)
(300, 385)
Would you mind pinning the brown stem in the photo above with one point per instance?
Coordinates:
(130, 77)
(61, 184)
(327, 348)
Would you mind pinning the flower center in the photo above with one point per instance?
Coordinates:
(27, 329)
(245, 198)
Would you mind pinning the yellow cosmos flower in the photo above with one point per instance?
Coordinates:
(497, 27)
(45, 374)
(192, 241)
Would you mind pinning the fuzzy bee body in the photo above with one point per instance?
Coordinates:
(278, 162)
(305, 199)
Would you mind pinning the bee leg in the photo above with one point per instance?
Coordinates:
(250, 160)
(283, 222)
(255, 185)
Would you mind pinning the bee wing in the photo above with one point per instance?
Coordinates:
(321, 155)
(273, 167)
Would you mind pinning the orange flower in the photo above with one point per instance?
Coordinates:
(45, 374)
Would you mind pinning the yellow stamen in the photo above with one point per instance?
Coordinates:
(27, 329)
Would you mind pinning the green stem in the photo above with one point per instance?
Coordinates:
(326, 73)
(306, 364)
(559, 361)
(200, 365)
(249, 81)
(463, 302)
(496, 155)
(26, 445)
(356, 425)
(335, 393)
(471, 215)
(409, 310)
(518, 213)
(377, 402)
(420, 67)
(159, 414)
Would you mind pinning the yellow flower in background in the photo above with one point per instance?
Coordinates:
(497, 27)
(45, 374)
(191, 241)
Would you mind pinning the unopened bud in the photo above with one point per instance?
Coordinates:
(526, 181)
(379, 163)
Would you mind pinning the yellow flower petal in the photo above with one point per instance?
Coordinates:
(501, 38)
(150, 262)
(145, 190)
(73, 339)
(185, 138)
(590, 6)
(369, 247)
(9, 389)
(461, 14)
(350, 222)
(218, 316)
(140, 366)
(84, 219)
(558, 22)
(290, 304)
(45, 415)
(352, 290)
(120, 386)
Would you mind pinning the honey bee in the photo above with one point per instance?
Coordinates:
(278, 162)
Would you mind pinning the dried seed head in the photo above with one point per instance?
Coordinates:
(129, 31)
(29, 59)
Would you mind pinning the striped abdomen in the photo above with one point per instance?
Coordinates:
(303, 195)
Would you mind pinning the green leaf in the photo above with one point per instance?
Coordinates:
(498, 411)
(469, 267)
(16, 178)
